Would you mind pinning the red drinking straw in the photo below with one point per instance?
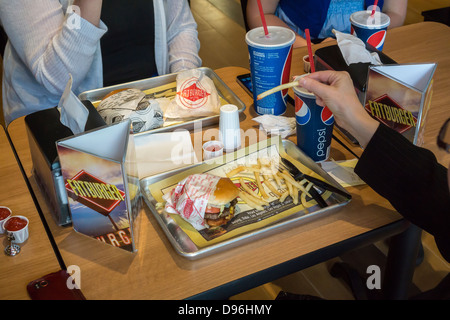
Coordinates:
(375, 5)
(308, 41)
(263, 19)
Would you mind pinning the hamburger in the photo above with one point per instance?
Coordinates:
(221, 205)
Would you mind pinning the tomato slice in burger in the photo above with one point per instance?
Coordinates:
(212, 210)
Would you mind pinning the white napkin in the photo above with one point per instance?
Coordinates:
(354, 50)
(73, 113)
(276, 125)
(160, 152)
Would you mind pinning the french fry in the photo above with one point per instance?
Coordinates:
(235, 171)
(288, 177)
(245, 196)
(284, 196)
(260, 186)
(303, 201)
(278, 178)
(251, 193)
(295, 194)
(271, 187)
(277, 88)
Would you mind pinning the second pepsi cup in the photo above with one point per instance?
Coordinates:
(270, 65)
(370, 29)
(314, 125)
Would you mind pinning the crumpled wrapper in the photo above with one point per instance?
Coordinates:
(354, 50)
(277, 125)
(196, 96)
(190, 198)
(145, 113)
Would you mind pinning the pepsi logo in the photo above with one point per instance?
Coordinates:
(327, 116)
(377, 39)
(302, 112)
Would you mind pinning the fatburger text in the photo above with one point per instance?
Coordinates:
(394, 114)
(95, 190)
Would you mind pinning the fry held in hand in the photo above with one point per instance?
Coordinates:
(277, 88)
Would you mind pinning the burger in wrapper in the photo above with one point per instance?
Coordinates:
(196, 96)
(145, 114)
(203, 200)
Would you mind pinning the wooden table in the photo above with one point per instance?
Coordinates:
(36, 257)
(158, 272)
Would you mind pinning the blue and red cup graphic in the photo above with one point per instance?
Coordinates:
(270, 63)
(314, 125)
(370, 29)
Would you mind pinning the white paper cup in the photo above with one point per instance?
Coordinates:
(11, 229)
(4, 215)
(212, 149)
(229, 129)
(306, 64)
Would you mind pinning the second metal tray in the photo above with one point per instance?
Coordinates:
(223, 90)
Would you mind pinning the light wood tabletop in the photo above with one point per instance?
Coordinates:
(156, 271)
(36, 257)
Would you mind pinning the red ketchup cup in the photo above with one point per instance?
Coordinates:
(5, 213)
(17, 226)
(212, 149)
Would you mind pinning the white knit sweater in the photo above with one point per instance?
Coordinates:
(46, 45)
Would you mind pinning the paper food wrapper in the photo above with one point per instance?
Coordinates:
(145, 113)
(190, 198)
(196, 97)
(354, 50)
(246, 218)
(277, 125)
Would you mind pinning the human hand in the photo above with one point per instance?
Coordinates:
(336, 91)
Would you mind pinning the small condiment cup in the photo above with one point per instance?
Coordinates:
(14, 228)
(212, 149)
(306, 64)
(5, 213)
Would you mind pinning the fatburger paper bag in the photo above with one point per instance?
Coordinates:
(196, 96)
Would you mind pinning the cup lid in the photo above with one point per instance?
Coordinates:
(364, 20)
(278, 37)
(300, 90)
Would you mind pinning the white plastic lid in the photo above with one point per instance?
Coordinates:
(278, 37)
(363, 19)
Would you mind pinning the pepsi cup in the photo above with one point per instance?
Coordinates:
(270, 64)
(314, 125)
(370, 29)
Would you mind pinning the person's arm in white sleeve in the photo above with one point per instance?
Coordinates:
(182, 37)
(48, 41)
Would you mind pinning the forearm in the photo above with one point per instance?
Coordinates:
(48, 44)
(182, 38)
(90, 10)
(397, 20)
(409, 177)
(396, 10)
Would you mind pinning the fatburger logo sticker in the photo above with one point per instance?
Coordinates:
(192, 94)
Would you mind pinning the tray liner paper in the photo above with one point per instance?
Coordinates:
(246, 219)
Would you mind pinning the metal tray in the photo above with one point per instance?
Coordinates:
(184, 246)
(222, 89)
